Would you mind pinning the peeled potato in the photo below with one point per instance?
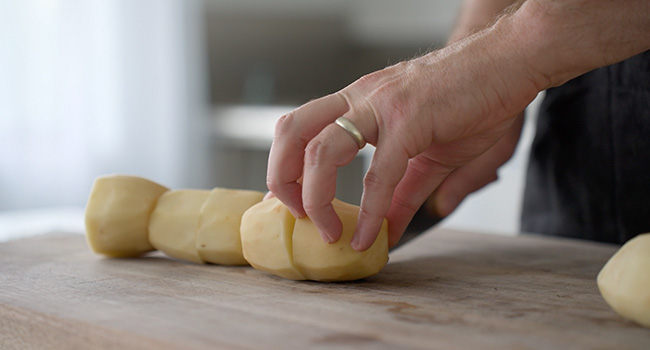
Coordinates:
(624, 282)
(128, 216)
(320, 261)
(117, 214)
(275, 242)
(174, 222)
(218, 240)
(266, 230)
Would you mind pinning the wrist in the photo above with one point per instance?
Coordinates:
(561, 40)
(536, 34)
(502, 65)
(477, 77)
(477, 15)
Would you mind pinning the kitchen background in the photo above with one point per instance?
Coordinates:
(186, 93)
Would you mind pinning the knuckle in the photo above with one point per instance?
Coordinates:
(391, 106)
(316, 151)
(372, 181)
(431, 167)
(272, 185)
(366, 212)
(407, 203)
(369, 78)
(312, 207)
(285, 124)
(425, 166)
(393, 92)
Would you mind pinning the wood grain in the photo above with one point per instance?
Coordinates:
(443, 290)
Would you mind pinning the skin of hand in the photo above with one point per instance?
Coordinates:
(436, 113)
(474, 175)
(475, 16)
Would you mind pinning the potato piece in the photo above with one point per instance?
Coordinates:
(624, 282)
(275, 242)
(174, 222)
(320, 261)
(266, 230)
(218, 240)
(117, 214)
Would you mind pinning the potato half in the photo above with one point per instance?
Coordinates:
(266, 230)
(218, 240)
(117, 214)
(174, 223)
(320, 261)
(275, 242)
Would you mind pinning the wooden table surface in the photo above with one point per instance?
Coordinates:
(443, 290)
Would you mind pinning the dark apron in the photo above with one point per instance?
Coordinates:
(589, 170)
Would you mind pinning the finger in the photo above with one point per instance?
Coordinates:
(330, 150)
(422, 176)
(386, 169)
(476, 174)
(292, 134)
(460, 183)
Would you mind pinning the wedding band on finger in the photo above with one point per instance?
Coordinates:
(352, 130)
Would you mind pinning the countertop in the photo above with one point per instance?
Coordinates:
(445, 289)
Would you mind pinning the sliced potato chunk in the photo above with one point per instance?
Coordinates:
(174, 222)
(624, 282)
(266, 231)
(117, 214)
(275, 242)
(218, 240)
(320, 261)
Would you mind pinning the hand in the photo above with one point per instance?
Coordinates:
(475, 15)
(434, 114)
(426, 117)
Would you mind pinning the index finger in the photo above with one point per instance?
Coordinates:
(293, 132)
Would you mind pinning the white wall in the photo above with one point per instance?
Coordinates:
(94, 87)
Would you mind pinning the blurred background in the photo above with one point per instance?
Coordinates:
(186, 93)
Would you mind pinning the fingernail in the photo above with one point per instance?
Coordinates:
(326, 237)
(356, 237)
(295, 214)
(355, 241)
(446, 204)
(451, 203)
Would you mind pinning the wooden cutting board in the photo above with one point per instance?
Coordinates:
(445, 289)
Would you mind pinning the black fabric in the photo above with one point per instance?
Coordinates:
(589, 170)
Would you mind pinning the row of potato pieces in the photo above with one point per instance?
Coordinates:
(128, 216)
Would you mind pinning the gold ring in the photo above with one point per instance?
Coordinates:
(352, 131)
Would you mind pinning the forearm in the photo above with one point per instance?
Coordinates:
(561, 39)
(542, 44)
(476, 15)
